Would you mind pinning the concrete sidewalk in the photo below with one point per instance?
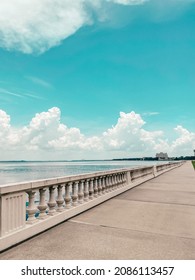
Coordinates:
(155, 220)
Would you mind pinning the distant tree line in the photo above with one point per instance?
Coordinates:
(185, 158)
(155, 158)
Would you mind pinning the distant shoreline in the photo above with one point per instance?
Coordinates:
(95, 160)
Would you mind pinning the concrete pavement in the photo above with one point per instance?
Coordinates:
(155, 220)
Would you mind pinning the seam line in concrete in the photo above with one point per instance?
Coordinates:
(135, 230)
(146, 201)
(79, 222)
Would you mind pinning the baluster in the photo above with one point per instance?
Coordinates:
(106, 184)
(32, 209)
(42, 204)
(124, 179)
(67, 197)
(109, 183)
(103, 184)
(86, 190)
(52, 202)
(114, 181)
(95, 188)
(80, 192)
(60, 199)
(91, 189)
(119, 180)
(99, 185)
(74, 193)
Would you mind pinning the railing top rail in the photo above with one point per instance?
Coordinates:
(35, 184)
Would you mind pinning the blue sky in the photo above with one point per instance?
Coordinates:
(65, 78)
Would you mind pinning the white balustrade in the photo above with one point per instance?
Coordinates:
(47, 199)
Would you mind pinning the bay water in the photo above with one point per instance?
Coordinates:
(14, 172)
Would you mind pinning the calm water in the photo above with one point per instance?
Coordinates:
(12, 172)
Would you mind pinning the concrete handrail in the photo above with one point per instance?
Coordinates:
(31, 207)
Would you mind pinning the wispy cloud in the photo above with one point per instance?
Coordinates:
(7, 92)
(128, 2)
(39, 81)
(23, 94)
(33, 96)
(150, 113)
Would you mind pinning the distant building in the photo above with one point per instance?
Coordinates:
(162, 156)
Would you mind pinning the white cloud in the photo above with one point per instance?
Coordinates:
(4, 121)
(45, 137)
(8, 136)
(125, 132)
(36, 26)
(185, 142)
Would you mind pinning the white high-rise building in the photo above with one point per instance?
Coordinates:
(162, 156)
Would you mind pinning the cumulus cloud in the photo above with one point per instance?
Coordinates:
(4, 121)
(8, 135)
(36, 26)
(125, 132)
(185, 141)
(45, 134)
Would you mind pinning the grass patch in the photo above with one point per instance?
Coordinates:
(193, 163)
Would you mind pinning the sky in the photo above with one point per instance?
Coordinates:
(96, 79)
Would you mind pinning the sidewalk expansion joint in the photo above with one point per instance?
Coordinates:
(157, 202)
(133, 230)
